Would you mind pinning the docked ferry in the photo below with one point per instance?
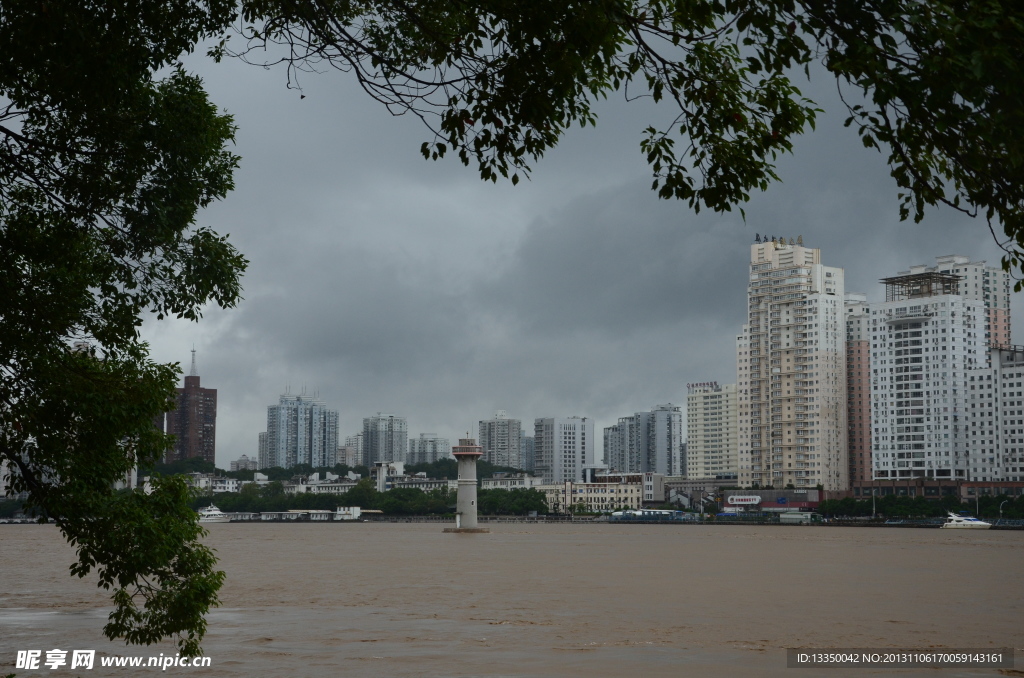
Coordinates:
(959, 521)
(212, 514)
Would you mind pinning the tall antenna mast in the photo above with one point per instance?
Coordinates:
(195, 372)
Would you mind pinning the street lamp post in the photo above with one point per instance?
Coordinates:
(1001, 508)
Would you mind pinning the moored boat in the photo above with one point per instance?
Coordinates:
(212, 514)
(960, 521)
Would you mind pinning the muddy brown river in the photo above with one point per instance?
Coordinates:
(548, 600)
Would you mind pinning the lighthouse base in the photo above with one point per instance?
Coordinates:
(468, 530)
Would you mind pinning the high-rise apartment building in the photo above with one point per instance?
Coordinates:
(622, 446)
(647, 442)
(428, 448)
(385, 438)
(356, 442)
(665, 441)
(563, 447)
(301, 430)
(712, 444)
(193, 422)
(262, 457)
(791, 371)
(858, 386)
(244, 463)
(995, 416)
(526, 453)
(978, 281)
(500, 439)
(926, 341)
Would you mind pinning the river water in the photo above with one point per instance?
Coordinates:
(365, 599)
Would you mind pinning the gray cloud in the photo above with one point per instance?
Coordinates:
(389, 283)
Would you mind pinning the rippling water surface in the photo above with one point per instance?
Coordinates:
(548, 600)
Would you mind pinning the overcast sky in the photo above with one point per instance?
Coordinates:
(385, 282)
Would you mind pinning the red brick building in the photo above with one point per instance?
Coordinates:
(194, 421)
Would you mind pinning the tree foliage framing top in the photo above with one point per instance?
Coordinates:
(109, 149)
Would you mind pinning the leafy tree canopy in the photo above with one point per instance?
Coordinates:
(399, 501)
(190, 465)
(109, 149)
(103, 168)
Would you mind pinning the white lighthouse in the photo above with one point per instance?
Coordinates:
(466, 452)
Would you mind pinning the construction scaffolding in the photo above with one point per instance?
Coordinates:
(917, 285)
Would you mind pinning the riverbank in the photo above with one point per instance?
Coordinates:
(299, 518)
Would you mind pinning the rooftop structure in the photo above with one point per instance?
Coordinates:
(919, 285)
(980, 282)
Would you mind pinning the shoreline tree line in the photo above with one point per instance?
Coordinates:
(394, 502)
(897, 506)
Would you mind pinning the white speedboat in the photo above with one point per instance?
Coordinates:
(212, 514)
(957, 521)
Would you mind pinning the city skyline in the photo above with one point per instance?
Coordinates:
(798, 308)
(420, 289)
(1000, 329)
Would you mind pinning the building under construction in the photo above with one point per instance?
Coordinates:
(919, 285)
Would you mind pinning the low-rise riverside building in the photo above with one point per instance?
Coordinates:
(208, 483)
(388, 475)
(382, 472)
(691, 492)
(931, 488)
(592, 497)
(511, 481)
(770, 501)
(389, 480)
(339, 486)
(330, 483)
(303, 515)
(972, 489)
(420, 481)
(226, 485)
(691, 485)
(653, 484)
(348, 513)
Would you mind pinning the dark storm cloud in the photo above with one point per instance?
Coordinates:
(620, 262)
(388, 283)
